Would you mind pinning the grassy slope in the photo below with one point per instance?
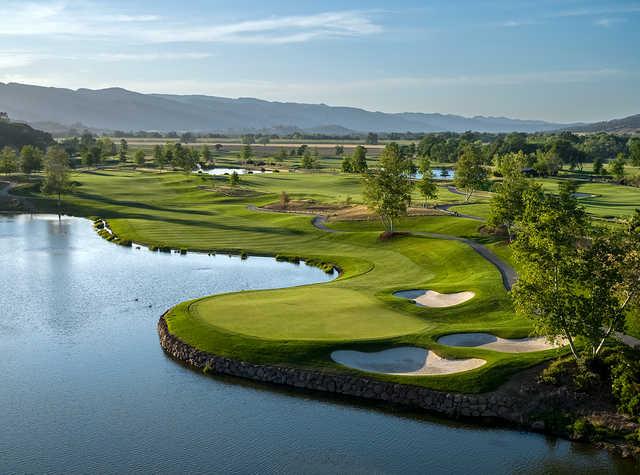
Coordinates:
(301, 326)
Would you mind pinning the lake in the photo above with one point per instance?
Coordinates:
(86, 387)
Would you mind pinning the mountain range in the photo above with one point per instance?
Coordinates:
(119, 109)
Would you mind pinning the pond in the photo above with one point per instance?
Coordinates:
(229, 171)
(86, 387)
(438, 174)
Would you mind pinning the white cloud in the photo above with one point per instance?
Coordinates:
(117, 57)
(607, 22)
(81, 20)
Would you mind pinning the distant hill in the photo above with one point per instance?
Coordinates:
(17, 135)
(626, 125)
(119, 109)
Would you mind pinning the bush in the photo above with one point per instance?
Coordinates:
(625, 382)
(183, 251)
(244, 255)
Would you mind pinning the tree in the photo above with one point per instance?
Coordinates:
(308, 161)
(8, 160)
(634, 151)
(427, 185)
(546, 252)
(598, 166)
(471, 174)
(387, 190)
(347, 165)
(218, 147)
(609, 271)
(248, 139)
(234, 178)
(339, 150)
(56, 173)
(264, 140)
(372, 138)
(547, 163)
(617, 167)
(284, 200)
(507, 203)
(246, 153)
(139, 157)
(158, 156)
(124, 146)
(205, 154)
(359, 160)
(30, 159)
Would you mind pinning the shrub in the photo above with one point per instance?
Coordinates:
(625, 383)
(244, 255)
(183, 251)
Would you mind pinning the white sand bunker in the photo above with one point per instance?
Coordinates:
(431, 298)
(492, 342)
(404, 361)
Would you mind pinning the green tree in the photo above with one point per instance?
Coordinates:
(387, 190)
(372, 138)
(507, 203)
(598, 166)
(30, 159)
(546, 252)
(158, 156)
(124, 147)
(284, 200)
(139, 157)
(56, 173)
(471, 173)
(264, 140)
(339, 150)
(427, 185)
(634, 151)
(359, 160)
(617, 167)
(8, 160)
(246, 154)
(234, 178)
(307, 161)
(205, 154)
(347, 165)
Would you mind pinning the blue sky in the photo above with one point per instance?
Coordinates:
(563, 60)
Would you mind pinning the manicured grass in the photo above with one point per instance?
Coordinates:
(610, 200)
(301, 326)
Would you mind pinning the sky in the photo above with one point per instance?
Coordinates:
(560, 60)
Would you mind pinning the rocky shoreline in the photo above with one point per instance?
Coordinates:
(522, 402)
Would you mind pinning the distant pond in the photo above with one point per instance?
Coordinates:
(86, 387)
(438, 174)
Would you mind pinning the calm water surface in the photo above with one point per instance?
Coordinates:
(86, 388)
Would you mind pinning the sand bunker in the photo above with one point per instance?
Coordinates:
(404, 361)
(492, 342)
(433, 299)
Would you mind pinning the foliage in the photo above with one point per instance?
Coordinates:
(546, 255)
(138, 157)
(8, 160)
(234, 178)
(634, 151)
(507, 203)
(17, 135)
(387, 190)
(56, 172)
(471, 173)
(372, 138)
(427, 185)
(159, 157)
(122, 153)
(30, 159)
(246, 154)
(284, 200)
(359, 160)
(616, 168)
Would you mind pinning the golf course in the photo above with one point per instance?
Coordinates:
(301, 327)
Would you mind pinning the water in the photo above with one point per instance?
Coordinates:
(229, 171)
(438, 174)
(86, 387)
